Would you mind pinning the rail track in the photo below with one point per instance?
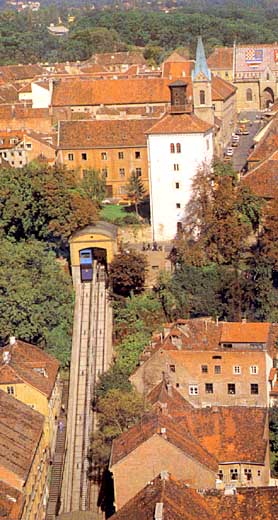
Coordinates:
(88, 360)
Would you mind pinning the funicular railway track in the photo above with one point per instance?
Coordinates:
(87, 362)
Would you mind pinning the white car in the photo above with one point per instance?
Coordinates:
(229, 152)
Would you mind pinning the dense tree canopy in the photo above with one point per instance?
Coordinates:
(127, 273)
(36, 297)
(43, 203)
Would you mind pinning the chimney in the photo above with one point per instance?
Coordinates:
(6, 357)
(158, 514)
(164, 475)
(244, 320)
(169, 389)
(12, 340)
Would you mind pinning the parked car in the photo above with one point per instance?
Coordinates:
(229, 152)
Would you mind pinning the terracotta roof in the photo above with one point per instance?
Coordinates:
(178, 502)
(263, 179)
(221, 89)
(8, 93)
(151, 425)
(7, 139)
(93, 68)
(175, 57)
(11, 502)
(264, 148)
(19, 111)
(179, 123)
(20, 72)
(221, 58)
(245, 332)
(119, 58)
(71, 92)
(20, 432)
(30, 364)
(225, 432)
(104, 134)
(259, 503)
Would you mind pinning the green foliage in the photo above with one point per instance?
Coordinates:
(93, 186)
(135, 189)
(127, 273)
(273, 427)
(117, 411)
(42, 203)
(36, 297)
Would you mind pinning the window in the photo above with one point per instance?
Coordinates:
(20, 162)
(209, 388)
(137, 155)
(234, 474)
(178, 148)
(177, 185)
(29, 146)
(193, 390)
(84, 157)
(267, 76)
(10, 390)
(237, 370)
(207, 144)
(122, 172)
(220, 474)
(217, 369)
(249, 94)
(172, 148)
(202, 97)
(226, 74)
(121, 155)
(177, 385)
(70, 156)
(254, 387)
(231, 388)
(20, 154)
(138, 172)
(178, 205)
(179, 227)
(248, 474)
(104, 172)
(104, 156)
(176, 167)
(172, 368)
(12, 154)
(204, 369)
(254, 369)
(259, 472)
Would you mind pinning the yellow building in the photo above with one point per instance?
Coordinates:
(32, 376)
(116, 148)
(23, 459)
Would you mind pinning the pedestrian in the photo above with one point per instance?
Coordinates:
(61, 426)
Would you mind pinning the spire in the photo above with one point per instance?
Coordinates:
(201, 66)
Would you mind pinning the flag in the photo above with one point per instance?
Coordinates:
(254, 56)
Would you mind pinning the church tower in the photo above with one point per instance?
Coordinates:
(201, 86)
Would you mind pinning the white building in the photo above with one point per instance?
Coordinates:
(178, 145)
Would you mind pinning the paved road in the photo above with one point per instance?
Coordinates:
(246, 141)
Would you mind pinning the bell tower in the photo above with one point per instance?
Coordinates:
(201, 86)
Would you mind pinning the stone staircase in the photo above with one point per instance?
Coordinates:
(58, 461)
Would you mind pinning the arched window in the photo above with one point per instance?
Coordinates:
(202, 97)
(172, 148)
(249, 94)
(178, 148)
(267, 76)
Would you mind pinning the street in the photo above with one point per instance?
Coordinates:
(246, 141)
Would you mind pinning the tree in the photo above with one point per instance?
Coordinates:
(127, 273)
(43, 203)
(135, 189)
(93, 186)
(36, 297)
(273, 427)
(117, 411)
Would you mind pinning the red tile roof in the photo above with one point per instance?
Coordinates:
(151, 425)
(221, 89)
(259, 503)
(225, 432)
(119, 58)
(30, 364)
(245, 332)
(179, 123)
(11, 502)
(20, 72)
(106, 133)
(221, 58)
(20, 432)
(178, 502)
(263, 179)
